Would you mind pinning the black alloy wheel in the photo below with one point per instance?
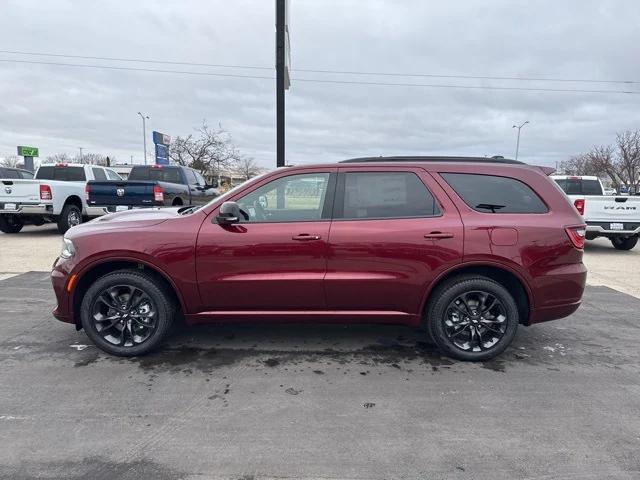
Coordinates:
(127, 312)
(472, 318)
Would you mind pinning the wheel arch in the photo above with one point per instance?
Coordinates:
(103, 267)
(507, 277)
(73, 200)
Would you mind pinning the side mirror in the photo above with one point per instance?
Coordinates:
(230, 213)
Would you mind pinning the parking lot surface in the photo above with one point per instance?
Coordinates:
(318, 402)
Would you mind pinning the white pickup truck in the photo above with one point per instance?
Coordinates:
(614, 217)
(56, 194)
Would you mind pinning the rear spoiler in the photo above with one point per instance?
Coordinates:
(546, 170)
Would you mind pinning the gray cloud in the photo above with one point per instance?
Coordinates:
(60, 108)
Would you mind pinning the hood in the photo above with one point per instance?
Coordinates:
(137, 218)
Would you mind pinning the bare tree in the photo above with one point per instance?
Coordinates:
(247, 167)
(12, 161)
(603, 160)
(59, 158)
(581, 164)
(628, 158)
(208, 150)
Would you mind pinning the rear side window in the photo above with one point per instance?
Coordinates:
(493, 194)
(65, 174)
(99, 174)
(162, 174)
(7, 173)
(579, 186)
(384, 195)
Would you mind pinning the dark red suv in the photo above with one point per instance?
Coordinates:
(468, 248)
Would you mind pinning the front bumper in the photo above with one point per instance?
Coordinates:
(29, 209)
(64, 308)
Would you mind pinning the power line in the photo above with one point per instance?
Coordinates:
(339, 72)
(313, 80)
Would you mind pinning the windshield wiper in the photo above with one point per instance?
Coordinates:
(490, 206)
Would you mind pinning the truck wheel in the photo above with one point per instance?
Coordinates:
(11, 223)
(624, 243)
(70, 217)
(127, 313)
(472, 318)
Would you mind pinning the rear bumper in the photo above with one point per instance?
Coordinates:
(30, 209)
(603, 228)
(558, 293)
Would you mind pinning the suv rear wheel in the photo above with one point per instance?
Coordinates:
(624, 243)
(127, 313)
(472, 318)
(11, 223)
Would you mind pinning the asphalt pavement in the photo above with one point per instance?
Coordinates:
(326, 402)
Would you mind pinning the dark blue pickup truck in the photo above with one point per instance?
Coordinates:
(150, 186)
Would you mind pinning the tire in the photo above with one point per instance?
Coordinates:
(454, 327)
(11, 223)
(624, 243)
(70, 216)
(117, 331)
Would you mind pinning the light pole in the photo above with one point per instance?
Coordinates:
(81, 158)
(144, 134)
(519, 127)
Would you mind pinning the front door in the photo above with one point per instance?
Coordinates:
(393, 232)
(276, 259)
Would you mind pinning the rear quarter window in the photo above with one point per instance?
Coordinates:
(495, 194)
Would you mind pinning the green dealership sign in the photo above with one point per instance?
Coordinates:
(28, 151)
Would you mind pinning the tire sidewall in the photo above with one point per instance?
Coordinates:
(63, 221)
(444, 296)
(624, 243)
(150, 287)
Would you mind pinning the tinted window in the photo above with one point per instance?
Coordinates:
(191, 177)
(25, 174)
(159, 174)
(296, 198)
(98, 174)
(111, 175)
(488, 193)
(8, 173)
(68, 174)
(385, 195)
(578, 186)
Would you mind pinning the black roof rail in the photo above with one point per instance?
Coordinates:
(494, 159)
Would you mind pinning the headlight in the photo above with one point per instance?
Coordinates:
(68, 250)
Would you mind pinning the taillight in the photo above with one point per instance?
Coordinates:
(158, 195)
(87, 191)
(45, 192)
(576, 235)
(579, 204)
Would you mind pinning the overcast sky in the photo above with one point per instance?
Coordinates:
(58, 108)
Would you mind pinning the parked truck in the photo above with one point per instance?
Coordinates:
(150, 186)
(55, 194)
(614, 217)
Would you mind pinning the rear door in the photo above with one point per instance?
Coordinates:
(393, 232)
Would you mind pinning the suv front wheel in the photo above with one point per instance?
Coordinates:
(127, 313)
(472, 318)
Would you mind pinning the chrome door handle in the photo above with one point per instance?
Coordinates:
(438, 235)
(305, 237)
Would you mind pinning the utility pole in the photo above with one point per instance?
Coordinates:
(280, 82)
(519, 127)
(144, 134)
(81, 157)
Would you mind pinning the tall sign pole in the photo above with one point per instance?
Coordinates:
(283, 64)
(280, 66)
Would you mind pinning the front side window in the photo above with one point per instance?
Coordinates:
(111, 175)
(384, 195)
(191, 177)
(295, 198)
(494, 194)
